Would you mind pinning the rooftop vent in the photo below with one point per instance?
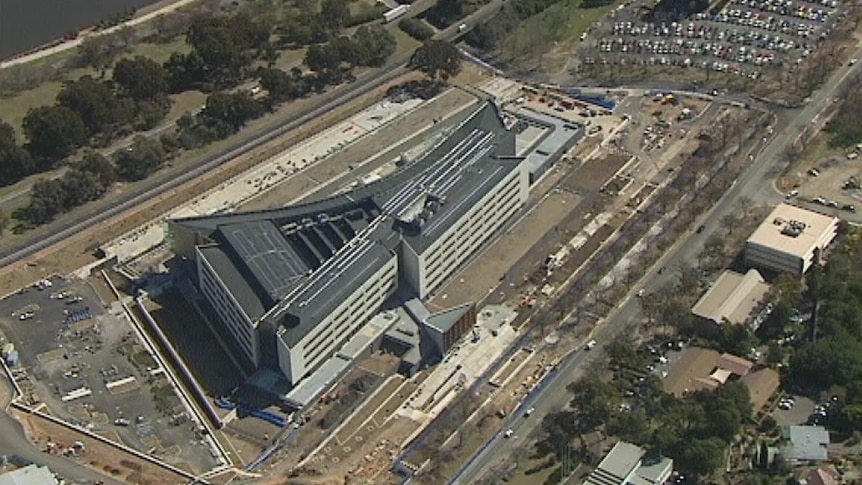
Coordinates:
(793, 228)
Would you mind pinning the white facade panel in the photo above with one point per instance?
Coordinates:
(228, 309)
(462, 239)
(329, 335)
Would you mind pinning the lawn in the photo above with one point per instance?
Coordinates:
(360, 6)
(14, 108)
(160, 52)
(404, 42)
(561, 23)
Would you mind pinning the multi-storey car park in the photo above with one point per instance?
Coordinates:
(297, 286)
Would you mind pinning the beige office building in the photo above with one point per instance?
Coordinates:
(790, 240)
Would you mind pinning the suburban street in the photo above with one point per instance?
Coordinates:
(755, 182)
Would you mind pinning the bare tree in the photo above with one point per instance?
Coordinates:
(728, 221)
(744, 204)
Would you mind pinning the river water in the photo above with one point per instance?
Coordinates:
(27, 24)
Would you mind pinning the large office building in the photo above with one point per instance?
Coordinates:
(790, 240)
(293, 285)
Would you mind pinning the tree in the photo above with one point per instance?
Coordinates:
(141, 78)
(728, 221)
(149, 112)
(227, 44)
(228, 112)
(137, 162)
(632, 426)
(94, 102)
(53, 132)
(744, 203)
(439, 60)
(4, 222)
(483, 36)
(282, 86)
(445, 12)
(184, 71)
(374, 44)
(829, 361)
(324, 60)
(416, 28)
(850, 417)
(96, 163)
(700, 457)
(334, 14)
(98, 51)
(595, 400)
(80, 186)
(47, 199)
(15, 162)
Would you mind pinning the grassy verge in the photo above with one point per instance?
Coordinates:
(405, 42)
(561, 23)
(360, 6)
(160, 52)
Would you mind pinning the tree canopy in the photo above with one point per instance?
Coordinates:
(53, 132)
(141, 78)
(15, 162)
(94, 102)
(438, 59)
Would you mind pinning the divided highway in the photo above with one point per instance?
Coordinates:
(755, 182)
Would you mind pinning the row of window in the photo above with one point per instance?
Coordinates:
(508, 186)
(350, 319)
(480, 223)
(220, 300)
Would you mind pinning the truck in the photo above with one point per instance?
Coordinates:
(396, 12)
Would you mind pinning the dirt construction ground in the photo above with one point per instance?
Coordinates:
(98, 455)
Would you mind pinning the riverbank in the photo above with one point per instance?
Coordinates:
(24, 26)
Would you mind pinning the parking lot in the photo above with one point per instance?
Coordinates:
(87, 366)
(748, 38)
(834, 184)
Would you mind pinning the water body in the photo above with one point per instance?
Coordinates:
(27, 24)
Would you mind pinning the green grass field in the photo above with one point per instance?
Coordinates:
(360, 6)
(562, 22)
(160, 52)
(405, 42)
(14, 108)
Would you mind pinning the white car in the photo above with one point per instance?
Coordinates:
(529, 411)
(508, 433)
(591, 344)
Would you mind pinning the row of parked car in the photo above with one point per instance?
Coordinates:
(745, 32)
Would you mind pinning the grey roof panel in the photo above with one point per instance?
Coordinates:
(475, 157)
(266, 253)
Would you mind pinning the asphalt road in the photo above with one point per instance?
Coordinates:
(93, 214)
(756, 182)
